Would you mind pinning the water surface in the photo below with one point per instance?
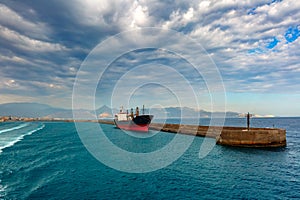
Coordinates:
(46, 160)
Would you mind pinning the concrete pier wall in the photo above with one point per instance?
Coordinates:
(230, 136)
(253, 138)
(202, 131)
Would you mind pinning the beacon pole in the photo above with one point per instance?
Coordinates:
(248, 121)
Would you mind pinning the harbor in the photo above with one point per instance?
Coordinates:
(227, 136)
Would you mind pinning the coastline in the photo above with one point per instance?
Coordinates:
(47, 119)
(227, 135)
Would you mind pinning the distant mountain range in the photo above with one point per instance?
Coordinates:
(28, 109)
(186, 112)
(42, 110)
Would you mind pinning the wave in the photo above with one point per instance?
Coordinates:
(19, 138)
(14, 128)
(2, 190)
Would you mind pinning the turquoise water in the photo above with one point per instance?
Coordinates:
(45, 160)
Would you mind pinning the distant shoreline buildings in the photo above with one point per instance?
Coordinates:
(30, 119)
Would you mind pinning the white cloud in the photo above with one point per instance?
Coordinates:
(113, 13)
(10, 83)
(14, 59)
(11, 19)
(23, 42)
(139, 15)
(280, 11)
(189, 14)
(8, 98)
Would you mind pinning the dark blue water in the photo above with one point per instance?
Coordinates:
(48, 161)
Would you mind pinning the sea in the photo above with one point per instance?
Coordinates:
(52, 160)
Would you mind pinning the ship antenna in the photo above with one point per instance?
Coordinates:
(143, 109)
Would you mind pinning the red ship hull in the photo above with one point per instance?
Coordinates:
(129, 126)
(139, 123)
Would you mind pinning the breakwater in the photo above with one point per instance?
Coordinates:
(230, 136)
(202, 131)
(254, 137)
(227, 136)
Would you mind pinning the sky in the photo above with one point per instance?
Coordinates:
(236, 55)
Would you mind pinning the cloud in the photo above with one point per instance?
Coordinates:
(254, 43)
(27, 44)
(12, 20)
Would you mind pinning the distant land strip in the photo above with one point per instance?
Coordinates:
(227, 136)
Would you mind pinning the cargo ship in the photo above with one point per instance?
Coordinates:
(131, 121)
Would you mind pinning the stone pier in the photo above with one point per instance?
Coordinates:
(230, 136)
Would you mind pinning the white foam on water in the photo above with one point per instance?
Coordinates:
(2, 190)
(11, 143)
(14, 128)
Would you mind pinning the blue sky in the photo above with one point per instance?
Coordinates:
(255, 46)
